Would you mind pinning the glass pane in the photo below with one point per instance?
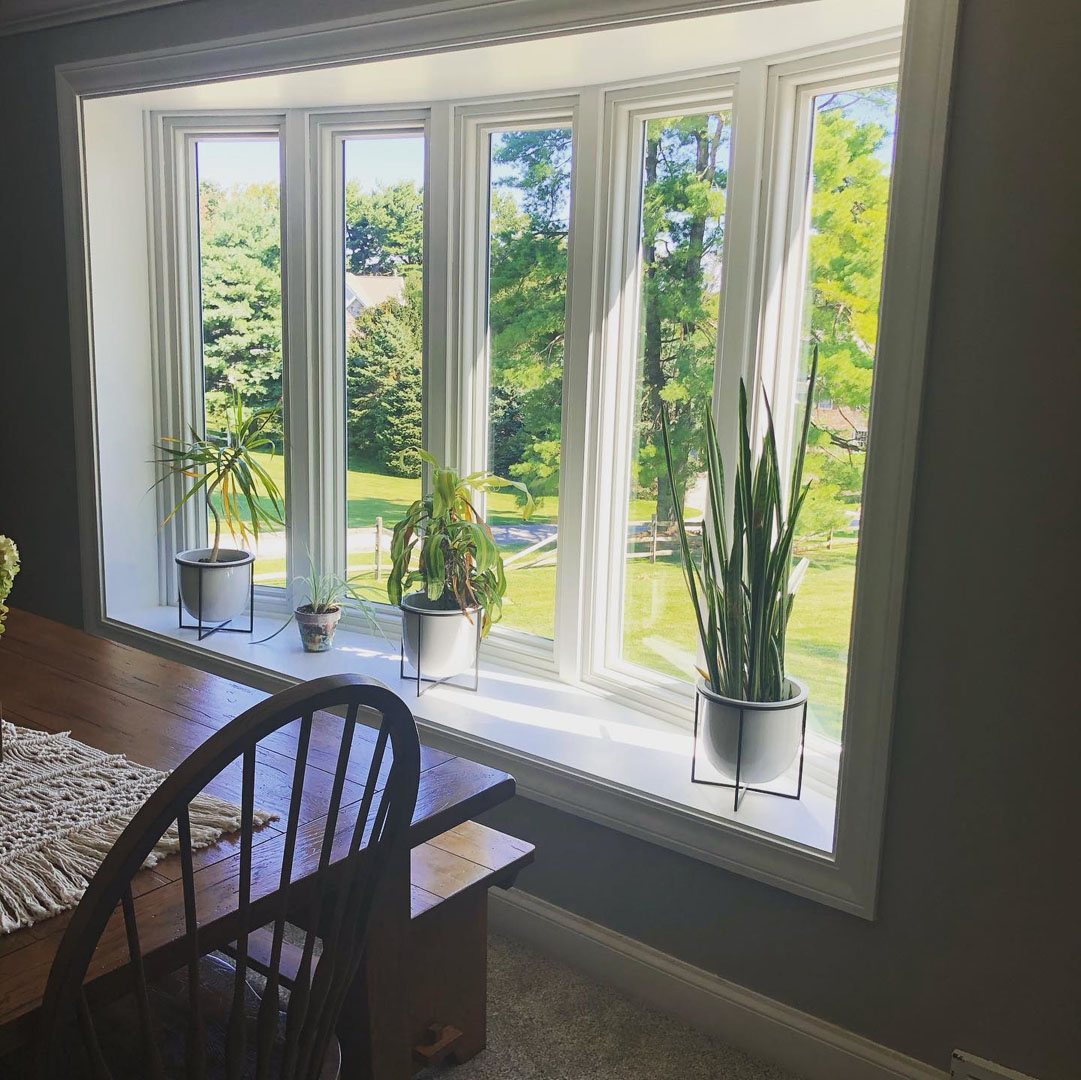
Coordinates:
(529, 223)
(240, 280)
(384, 318)
(850, 185)
(684, 181)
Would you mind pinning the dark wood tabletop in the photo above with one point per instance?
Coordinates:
(122, 700)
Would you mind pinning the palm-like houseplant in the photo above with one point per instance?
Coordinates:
(445, 551)
(741, 596)
(240, 496)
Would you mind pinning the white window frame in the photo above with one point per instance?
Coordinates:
(785, 221)
(848, 878)
(328, 133)
(177, 344)
(769, 165)
(626, 112)
(475, 124)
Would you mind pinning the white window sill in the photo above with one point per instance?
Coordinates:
(567, 747)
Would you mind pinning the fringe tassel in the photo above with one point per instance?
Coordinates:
(55, 777)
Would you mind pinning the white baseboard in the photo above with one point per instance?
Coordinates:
(775, 1032)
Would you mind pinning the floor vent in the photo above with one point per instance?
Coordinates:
(965, 1066)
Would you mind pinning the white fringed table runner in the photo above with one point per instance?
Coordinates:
(62, 806)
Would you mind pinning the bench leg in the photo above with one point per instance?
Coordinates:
(373, 1028)
(448, 952)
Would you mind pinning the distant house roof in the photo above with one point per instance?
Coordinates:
(368, 290)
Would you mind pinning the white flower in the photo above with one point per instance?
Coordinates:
(9, 553)
(9, 567)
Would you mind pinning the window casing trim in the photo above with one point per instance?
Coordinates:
(930, 38)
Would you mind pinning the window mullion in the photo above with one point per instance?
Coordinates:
(442, 354)
(737, 337)
(305, 434)
(180, 367)
(576, 589)
(472, 297)
(616, 259)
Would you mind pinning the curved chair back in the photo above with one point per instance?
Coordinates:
(345, 846)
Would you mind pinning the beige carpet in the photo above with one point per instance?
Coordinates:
(547, 1022)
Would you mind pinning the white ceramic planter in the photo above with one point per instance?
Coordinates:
(226, 584)
(771, 733)
(439, 644)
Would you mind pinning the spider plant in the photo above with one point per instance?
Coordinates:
(740, 590)
(226, 472)
(458, 562)
(326, 593)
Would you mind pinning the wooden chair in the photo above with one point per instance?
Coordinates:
(171, 1029)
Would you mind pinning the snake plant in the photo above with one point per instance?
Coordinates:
(740, 589)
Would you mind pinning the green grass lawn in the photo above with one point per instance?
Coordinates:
(659, 632)
(372, 494)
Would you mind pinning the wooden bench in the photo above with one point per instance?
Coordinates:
(448, 946)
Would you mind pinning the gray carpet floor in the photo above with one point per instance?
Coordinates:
(547, 1022)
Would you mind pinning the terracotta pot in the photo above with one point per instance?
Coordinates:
(317, 627)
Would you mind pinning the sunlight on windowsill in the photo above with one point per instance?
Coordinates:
(566, 745)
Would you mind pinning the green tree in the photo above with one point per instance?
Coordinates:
(384, 230)
(384, 235)
(240, 261)
(683, 201)
(849, 204)
(528, 233)
(384, 384)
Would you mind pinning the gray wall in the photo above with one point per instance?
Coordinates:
(977, 941)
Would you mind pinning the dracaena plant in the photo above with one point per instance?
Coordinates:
(740, 588)
(445, 548)
(227, 474)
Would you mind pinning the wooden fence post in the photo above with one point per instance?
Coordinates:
(653, 538)
(378, 547)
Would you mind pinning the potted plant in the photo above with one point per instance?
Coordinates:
(317, 618)
(458, 567)
(742, 602)
(215, 581)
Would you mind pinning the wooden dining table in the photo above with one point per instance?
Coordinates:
(122, 700)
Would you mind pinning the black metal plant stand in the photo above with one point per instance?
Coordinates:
(446, 680)
(205, 629)
(741, 790)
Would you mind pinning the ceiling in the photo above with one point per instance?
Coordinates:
(632, 53)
